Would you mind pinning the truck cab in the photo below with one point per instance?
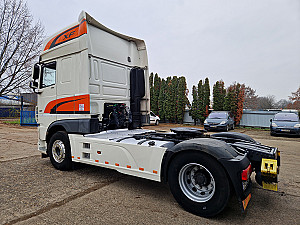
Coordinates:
(84, 78)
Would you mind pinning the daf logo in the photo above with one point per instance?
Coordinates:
(67, 36)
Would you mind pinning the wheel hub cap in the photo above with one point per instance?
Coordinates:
(196, 182)
(58, 151)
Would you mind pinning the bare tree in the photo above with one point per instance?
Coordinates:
(20, 44)
(267, 102)
(282, 103)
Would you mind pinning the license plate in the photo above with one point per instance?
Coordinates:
(270, 186)
(246, 201)
(213, 126)
(285, 130)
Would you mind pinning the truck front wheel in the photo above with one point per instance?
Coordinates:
(199, 184)
(59, 151)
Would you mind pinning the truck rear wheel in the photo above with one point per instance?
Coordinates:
(59, 151)
(199, 184)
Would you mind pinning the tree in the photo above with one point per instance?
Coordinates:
(162, 100)
(168, 99)
(181, 99)
(156, 90)
(230, 99)
(200, 103)
(173, 103)
(206, 97)
(151, 90)
(251, 99)
(295, 98)
(194, 107)
(240, 94)
(267, 102)
(282, 103)
(234, 100)
(20, 44)
(295, 95)
(219, 93)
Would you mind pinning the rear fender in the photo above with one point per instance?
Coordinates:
(232, 163)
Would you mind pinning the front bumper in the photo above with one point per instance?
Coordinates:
(215, 126)
(285, 130)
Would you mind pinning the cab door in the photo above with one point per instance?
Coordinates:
(46, 98)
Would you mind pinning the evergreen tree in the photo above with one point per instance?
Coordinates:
(168, 103)
(219, 94)
(174, 93)
(151, 91)
(200, 103)
(156, 89)
(206, 97)
(162, 100)
(181, 99)
(230, 100)
(193, 110)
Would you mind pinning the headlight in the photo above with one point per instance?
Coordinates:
(297, 125)
(205, 121)
(274, 125)
(223, 122)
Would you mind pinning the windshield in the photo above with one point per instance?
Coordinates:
(286, 117)
(217, 116)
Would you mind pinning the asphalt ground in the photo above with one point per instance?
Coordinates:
(33, 192)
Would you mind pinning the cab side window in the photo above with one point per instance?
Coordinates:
(48, 74)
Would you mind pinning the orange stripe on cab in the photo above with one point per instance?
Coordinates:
(67, 35)
(69, 105)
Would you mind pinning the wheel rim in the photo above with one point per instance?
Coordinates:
(196, 182)
(58, 151)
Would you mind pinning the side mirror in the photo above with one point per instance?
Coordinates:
(36, 71)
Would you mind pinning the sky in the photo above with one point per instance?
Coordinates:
(256, 42)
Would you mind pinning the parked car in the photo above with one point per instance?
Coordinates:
(219, 120)
(154, 119)
(285, 123)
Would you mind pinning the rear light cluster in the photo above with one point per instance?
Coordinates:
(246, 173)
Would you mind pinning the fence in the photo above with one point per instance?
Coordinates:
(249, 118)
(27, 114)
(9, 111)
(27, 118)
(257, 118)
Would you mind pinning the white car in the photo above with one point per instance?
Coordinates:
(154, 119)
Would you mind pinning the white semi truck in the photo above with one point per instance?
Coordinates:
(93, 98)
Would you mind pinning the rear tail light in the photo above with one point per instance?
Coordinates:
(246, 173)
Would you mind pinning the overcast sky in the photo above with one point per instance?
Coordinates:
(256, 42)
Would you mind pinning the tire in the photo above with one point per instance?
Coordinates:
(226, 128)
(232, 126)
(156, 122)
(205, 195)
(59, 150)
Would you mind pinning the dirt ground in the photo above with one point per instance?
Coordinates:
(33, 192)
